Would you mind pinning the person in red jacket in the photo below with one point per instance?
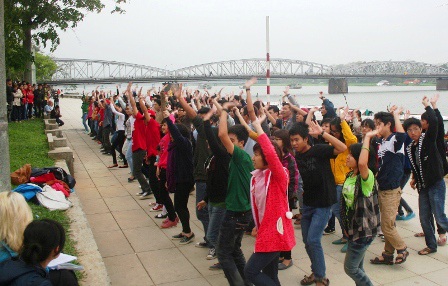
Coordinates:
(270, 208)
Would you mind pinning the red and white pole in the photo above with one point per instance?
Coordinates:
(268, 62)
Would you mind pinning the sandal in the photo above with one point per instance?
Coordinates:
(112, 166)
(308, 280)
(419, 234)
(323, 281)
(123, 166)
(402, 255)
(387, 259)
(426, 251)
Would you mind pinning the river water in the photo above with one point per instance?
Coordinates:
(375, 98)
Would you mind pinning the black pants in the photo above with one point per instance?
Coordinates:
(138, 156)
(15, 116)
(59, 121)
(180, 204)
(149, 170)
(165, 195)
(106, 138)
(30, 110)
(119, 141)
(38, 110)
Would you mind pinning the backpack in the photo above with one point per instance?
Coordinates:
(364, 219)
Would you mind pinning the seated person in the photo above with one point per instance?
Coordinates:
(56, 114)
(27, 247)
(48, 108)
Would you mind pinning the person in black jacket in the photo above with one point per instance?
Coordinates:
(9, 97)
(427, 170)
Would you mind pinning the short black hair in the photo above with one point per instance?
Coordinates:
(424, 116)
(246, 113)
(355, 151)
(299, 128)
(369, 123)
(204, 110)
(411, 121)
(158, 101)
(240, 132)
(274, 108)
(325, 121)
(386, 117)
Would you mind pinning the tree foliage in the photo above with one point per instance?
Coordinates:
(38, 22)
(45, 67)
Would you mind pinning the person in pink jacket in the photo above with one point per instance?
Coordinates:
(273, 230)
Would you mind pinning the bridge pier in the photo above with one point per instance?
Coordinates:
(337, 85)
(442, 84)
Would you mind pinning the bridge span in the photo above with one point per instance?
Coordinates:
(81, 71)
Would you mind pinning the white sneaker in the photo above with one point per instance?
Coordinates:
(211, 254)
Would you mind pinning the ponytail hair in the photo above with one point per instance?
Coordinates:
(41, 237)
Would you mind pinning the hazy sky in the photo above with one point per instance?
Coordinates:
(178, 33)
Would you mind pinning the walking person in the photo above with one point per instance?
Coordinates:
(360, 214)
(270, 208)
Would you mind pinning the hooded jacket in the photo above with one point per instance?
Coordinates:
(275, 231)
(16, 272)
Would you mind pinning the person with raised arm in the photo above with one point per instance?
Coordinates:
(428, 173)
(200, 155)
(318, 192)
(238, 207)
(217, 167)
(270, 209)
(179, 173)
(139, 140)
(359, 211)
(390, 172)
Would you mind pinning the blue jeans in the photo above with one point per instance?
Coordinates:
(84, 121)
(216, 215)
(336, 208)
(314, 221)
(202, 214)
(128, 156)
(431, 201)
(354, 261)
(262, 269)
(230, 255)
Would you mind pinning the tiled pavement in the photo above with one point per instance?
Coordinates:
(137, 252)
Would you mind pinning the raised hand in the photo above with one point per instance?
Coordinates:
(343, 113)
(407, 114)
(166, 114)
(434, 100)
(250, 82)
(372, 133)
(286, 91)
(425, 101)
(178, 92)
(315, 129)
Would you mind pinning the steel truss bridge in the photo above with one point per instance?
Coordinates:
(73, 71)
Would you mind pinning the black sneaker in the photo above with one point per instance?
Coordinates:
(145, 196)
(186, 239)
(177, 236)
(202, 244)
(329, 230)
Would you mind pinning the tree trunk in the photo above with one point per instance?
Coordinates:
(27, 45)
(5, 180)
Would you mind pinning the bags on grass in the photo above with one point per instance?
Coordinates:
(52, 199)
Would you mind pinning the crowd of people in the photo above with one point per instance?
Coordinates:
(252, 164)
(27, 101)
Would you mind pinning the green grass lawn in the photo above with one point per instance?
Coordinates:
(28, 145)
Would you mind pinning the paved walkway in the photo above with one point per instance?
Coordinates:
(137, 252)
